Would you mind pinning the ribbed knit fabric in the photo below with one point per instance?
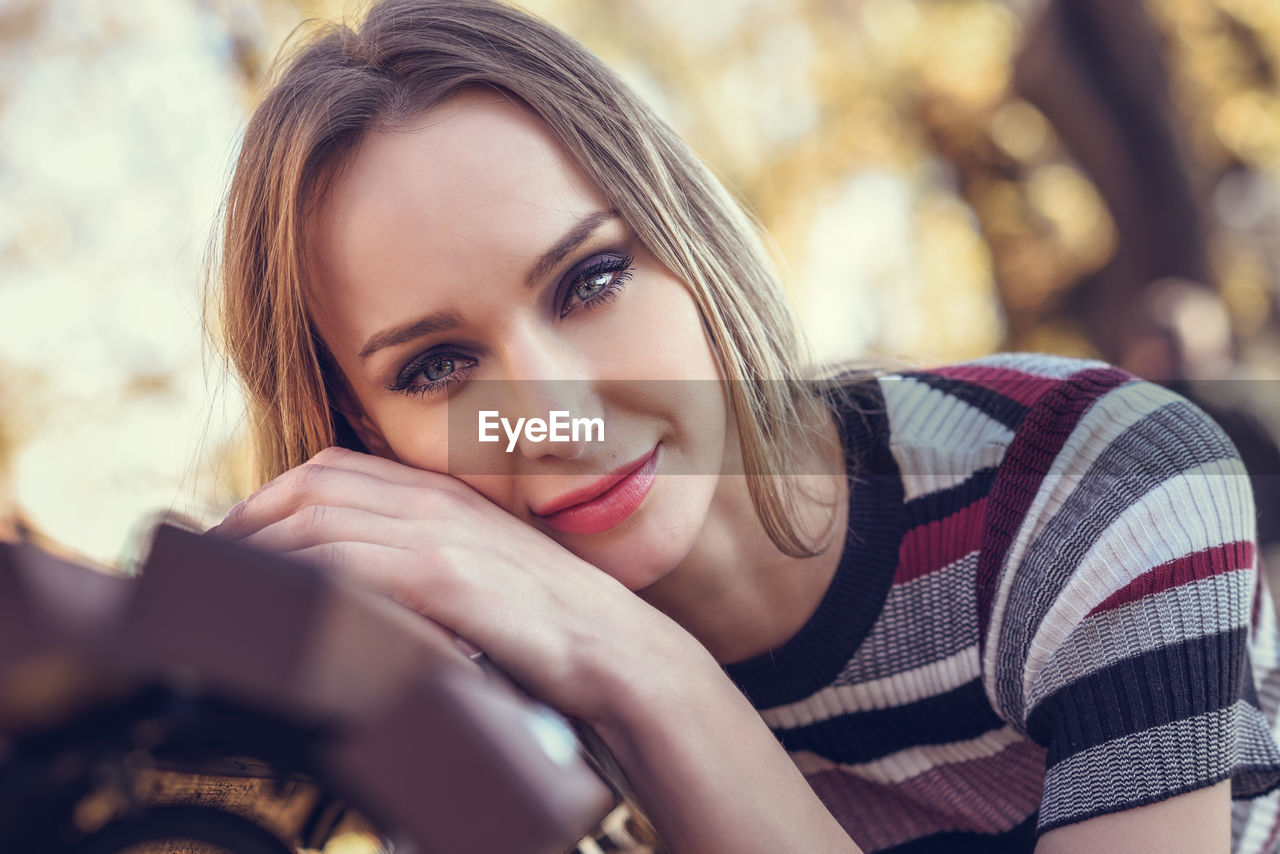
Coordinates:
(1047, 609)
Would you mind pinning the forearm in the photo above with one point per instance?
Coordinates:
(708, 772)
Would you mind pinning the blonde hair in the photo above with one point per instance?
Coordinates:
(407, 56)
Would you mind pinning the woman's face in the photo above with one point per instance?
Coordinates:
(465, 265)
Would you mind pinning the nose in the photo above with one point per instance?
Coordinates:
(551, 385)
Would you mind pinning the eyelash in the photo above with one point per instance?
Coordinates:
(617, 264)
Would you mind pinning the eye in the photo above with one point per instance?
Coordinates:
(432, 373)
(438, 369)
(597, 283)
(587, 288)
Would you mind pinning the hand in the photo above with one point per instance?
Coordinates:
(703, 763)
(554, 622)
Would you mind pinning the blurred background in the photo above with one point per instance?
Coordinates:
(942, 178)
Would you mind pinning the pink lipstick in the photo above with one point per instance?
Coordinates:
(605, 503)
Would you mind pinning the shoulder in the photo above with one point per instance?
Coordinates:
(1105, 479)
(1115, 585)
(984, 400)
(1001, 389)
(945, 423)
(1042, 415)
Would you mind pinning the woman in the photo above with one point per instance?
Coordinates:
(1020, 625)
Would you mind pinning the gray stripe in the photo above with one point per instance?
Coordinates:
(1158, 763)
(1163, 619)
(925, 620)
(1159, 446)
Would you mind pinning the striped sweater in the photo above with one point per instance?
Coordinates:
(1047, 609)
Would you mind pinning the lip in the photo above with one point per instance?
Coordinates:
(605, 503)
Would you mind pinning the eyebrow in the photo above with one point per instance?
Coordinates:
(437, 322)
(571, 241)
(441, 321)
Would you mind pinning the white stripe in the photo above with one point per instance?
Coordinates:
(913, 761)
(928, 680)
(937, 439)
(1205, 506)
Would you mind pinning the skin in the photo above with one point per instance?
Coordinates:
(448, 220)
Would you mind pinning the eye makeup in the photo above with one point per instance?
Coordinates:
(588, 285)
(448, 367)
(597, 280)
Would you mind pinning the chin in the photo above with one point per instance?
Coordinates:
(635, 563)
(640, 556)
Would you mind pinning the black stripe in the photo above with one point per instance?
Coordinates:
(987, 400)
(1018, 840)
(933, 506)
(957, 715)
(814, 657)
(1168, 684)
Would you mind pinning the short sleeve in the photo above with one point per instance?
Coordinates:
(1116, 584)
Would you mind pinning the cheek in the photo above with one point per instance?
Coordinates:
(416, 437)
(655, 333)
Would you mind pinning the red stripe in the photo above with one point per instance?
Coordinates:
(1215, 560)
(1018, 386)
(992, 795)
(940, 543)
(1036, 444)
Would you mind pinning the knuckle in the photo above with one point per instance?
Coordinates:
(339, 556)
(297, 484)
(334, 558)
(310, 520)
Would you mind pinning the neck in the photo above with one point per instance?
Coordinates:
(736, 591)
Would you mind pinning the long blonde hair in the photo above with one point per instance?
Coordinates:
(344, 82)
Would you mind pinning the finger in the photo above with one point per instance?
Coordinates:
(381, 572)
(312, 484)
(383, 569)
(389, 470)
(317, 524)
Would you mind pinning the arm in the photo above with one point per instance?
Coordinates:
(1197, 822)
(706, 768)
(709, 773)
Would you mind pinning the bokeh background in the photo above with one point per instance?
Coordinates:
(942, 178)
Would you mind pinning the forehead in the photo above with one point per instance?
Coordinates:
(478, 174)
